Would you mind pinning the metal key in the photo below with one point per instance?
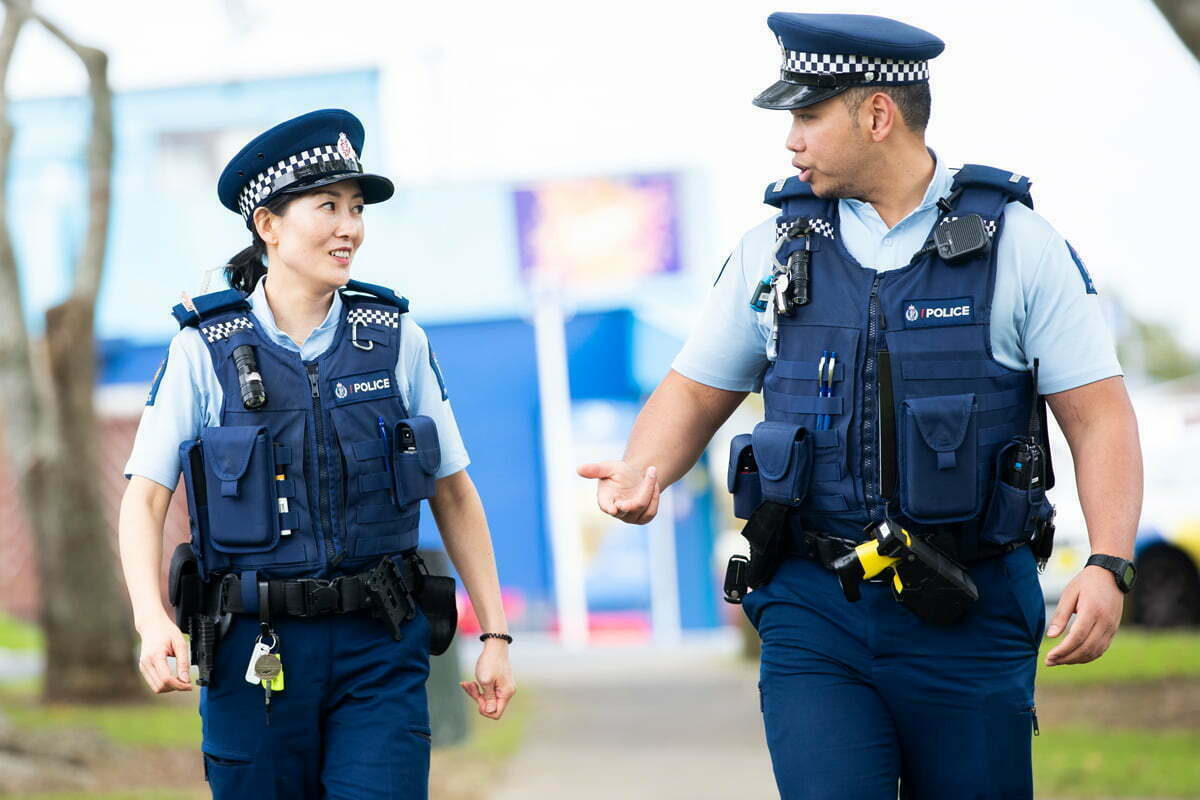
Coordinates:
(267, 667)
(783, 303)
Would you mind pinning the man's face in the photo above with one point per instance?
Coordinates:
(829, 149)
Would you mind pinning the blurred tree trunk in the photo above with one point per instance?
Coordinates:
(47, 393)
(1184, 17)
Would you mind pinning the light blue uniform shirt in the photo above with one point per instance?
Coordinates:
(189, 395)
(1041, 307)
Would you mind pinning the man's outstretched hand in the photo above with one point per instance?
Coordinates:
(623, 492)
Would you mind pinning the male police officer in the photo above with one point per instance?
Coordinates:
(897, 369)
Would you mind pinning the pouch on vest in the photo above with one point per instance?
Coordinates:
(416, 456)
(939, 474)
(239, 473)
(783, 452)
(743, 477)
(1013, 514)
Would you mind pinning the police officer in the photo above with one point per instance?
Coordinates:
(309, 417)
(892, 314)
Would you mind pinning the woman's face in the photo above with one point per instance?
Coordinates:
(317, 235)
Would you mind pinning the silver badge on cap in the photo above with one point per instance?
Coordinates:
(346, 150)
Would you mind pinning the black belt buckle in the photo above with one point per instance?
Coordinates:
(320, 597)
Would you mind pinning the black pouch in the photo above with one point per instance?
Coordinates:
(436, 596)
(416, 456)
(1013, 514)
(743, 480)
(239, 477)
(783, 452)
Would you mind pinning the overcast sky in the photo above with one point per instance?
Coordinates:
(1096, 101)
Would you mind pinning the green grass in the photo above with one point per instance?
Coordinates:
(160, 723)
(1077, 761)
(16, 634)
(1134, 656)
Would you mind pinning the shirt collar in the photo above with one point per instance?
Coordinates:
(262, 310)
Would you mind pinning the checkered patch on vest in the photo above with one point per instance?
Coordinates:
(374, 316)
(821, 226)
(223, 330)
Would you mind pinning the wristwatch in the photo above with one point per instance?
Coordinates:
(1121, 569)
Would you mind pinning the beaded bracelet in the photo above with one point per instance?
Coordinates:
(483, 637)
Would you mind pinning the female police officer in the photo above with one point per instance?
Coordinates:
(313, 420)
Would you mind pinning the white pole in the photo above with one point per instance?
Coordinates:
(554, 394)
(664, 576)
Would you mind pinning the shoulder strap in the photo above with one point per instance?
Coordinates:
(983, 187)
(355, 291)
(208, 306)
(794, 198)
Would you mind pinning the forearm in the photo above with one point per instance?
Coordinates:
(463, 525)
(143, 510)
(676, 425)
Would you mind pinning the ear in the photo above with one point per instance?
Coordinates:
(883, 115)
(266, 223)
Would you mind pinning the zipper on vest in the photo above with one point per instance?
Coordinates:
(870, 429)
(322, 466)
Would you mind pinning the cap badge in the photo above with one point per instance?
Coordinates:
(345, 149)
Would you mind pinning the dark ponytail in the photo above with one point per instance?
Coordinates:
(244, 270)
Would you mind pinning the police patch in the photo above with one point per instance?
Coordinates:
(935, 313)
(368, 386)
(1088, 286)
(158, 376)
(437, 370)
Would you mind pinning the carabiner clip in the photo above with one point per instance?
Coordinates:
(354, 339)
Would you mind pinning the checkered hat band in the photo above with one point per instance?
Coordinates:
(223, 330)
(325, 158)
(821, 226)
(374, 316)
(886, 70)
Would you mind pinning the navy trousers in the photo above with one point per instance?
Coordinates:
(352, 721)
(856, 695)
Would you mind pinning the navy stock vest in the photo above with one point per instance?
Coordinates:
(327, 476)
(955, 408)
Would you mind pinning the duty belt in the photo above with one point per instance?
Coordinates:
(824, 549)
(314, 597)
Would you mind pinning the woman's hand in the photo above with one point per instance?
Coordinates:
(159, 640)
(493, 686)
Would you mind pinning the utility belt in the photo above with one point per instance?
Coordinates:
(391, 591)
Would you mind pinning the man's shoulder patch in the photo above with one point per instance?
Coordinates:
(157, 380)
(1088, 284)
(437, 371)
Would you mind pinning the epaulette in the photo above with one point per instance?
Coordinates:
(785, 189)
(209, 305)
(1014, 185)
(357, 289)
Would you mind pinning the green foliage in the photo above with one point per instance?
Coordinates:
(1080, 761)
(16, 634)
(1134, 656)
(1153, 347)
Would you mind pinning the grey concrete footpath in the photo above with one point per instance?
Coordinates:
(679, 723)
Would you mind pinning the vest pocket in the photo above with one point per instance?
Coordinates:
(416, 456)
(239, 478)
(939, 449)
(743, 480)
(1012, 513)
(783, 452)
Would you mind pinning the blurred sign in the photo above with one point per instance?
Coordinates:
(593, 231)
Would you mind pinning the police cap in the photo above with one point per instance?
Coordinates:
(826, 54)
(314, 149)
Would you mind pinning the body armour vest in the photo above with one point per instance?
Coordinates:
(324, 477)
(915, 414)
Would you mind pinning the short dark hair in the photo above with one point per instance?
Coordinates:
(912, 99)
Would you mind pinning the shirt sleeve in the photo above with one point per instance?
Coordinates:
(423, 388)
(175, 411)
(727, 348)
(1064, 326)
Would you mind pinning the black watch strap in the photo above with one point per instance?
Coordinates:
(1121, 569)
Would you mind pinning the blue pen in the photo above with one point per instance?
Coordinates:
(821, 386)
(383, 434)
(829, 368)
